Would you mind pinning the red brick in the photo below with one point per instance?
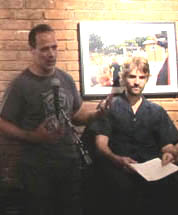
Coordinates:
(37, 4)
(1, 96)
(169, 105)
(75, 75)
(29, 14)
(58, 14)
(8, 55)
(3, 85)
(77, 85)
(98, 5)
(61, 65)
(64, 24)
(8, 75)
(80, 5)
(11, 4)
(13, 65)
(7, 35)
(64, 5)
(72, 45)
(14, 45)
(66, 34)
(61, 45)
(13, 35)
(6, 14)
(73, 66)
(68, 56)
(21, 35)
(173, 115)
(15, 25)
(24, 56)
(59, 24)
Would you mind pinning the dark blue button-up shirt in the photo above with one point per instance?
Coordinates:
(140, 135)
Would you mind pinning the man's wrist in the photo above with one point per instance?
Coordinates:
(116, 159)
(30, 136)
(169, 148)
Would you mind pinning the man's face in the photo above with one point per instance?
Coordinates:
(45, 52)
(135, 82)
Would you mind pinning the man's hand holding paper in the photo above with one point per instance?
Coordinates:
(153, 170)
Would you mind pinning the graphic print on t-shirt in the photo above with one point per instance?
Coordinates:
(50, 110)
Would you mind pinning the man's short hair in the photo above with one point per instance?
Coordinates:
(136, 62)
(41, 28)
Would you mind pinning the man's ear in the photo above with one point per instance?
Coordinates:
(148, 78)
(32, 50)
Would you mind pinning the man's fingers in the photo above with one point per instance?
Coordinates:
(167, 158)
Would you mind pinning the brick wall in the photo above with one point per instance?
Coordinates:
(18, 16)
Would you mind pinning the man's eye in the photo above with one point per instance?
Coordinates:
(143, 77)
(44, 49)
(54, 47)
(132, 76)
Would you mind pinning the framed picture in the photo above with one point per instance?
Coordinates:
(105, 44)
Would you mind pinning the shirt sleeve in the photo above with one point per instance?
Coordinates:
(168, 133)
(101, 125)
(77, 102)
(77, 99)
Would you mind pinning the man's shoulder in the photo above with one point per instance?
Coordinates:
(153, 105)
(118, 98)
(117, 103)
(62, 72)
(20, 77)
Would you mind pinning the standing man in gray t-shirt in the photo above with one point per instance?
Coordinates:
(49, 169)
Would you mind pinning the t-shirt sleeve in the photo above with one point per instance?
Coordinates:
(12, 103)
(77, 102)
(168, 133)
(101, 125)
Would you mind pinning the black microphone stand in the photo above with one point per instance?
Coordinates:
(59, 109)
(84, 152)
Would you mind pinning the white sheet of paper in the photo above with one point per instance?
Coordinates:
(153, 170)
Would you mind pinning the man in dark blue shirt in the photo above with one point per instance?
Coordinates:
(133, 130)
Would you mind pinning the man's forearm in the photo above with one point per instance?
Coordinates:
(104, 150)
(84, 115)
(11, 131)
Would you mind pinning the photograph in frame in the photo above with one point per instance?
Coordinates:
(104, 45)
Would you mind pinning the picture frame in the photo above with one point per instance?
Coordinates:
(105, 44)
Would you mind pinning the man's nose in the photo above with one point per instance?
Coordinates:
(137, 80)
(51, 52)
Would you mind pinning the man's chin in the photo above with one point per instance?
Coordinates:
(50, 65)
(49, 69)
(135, 93)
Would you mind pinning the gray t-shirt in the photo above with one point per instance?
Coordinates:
(29, 100)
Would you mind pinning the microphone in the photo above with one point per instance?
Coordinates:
(55, 83)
